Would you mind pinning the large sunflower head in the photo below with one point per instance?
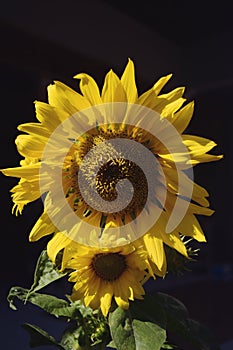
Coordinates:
(113, 167)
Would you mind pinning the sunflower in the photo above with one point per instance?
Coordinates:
(101, 274)
(113, 167)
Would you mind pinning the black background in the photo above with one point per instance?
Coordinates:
(191, 40)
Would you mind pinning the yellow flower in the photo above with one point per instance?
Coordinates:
(101, 274)
(90, 123)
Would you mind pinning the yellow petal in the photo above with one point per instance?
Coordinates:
(124, 304)
(160, 83)
(196, 209)
(67, 256)
(185, 185)
(163, 101)
(35, 129)
(89, 88)
(191, 227)
(155, 249)
(161, 273)
(29, 146)
(122, 293)
(42, 227)
(174, 94)
(199, 194)
(113, 90)
(204, 158)
(56, 244)
(172, 107)
(173, 240)
(25, 171)
(182, 118)
(65, 98)
(158, 103)
(146, 99)
(128, 82)
(197, 145)
(135, 287)
(92, 295)
(49, 115)
(24, 193)
(106, 298)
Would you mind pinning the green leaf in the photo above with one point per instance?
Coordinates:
(72, 338)
(173, 307)
(38, 337)
(149, 309)
(49, 303)
(121, 329)
(148, 335)
(179, 323)
(16, 292)
(45, 273)
(53, 305)
(200, 336)
(170, 346)
(111, 345)
(145, 324)
(11, 297)
(129, 333)
(84, 310)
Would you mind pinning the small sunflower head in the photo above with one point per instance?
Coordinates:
(104, 276)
